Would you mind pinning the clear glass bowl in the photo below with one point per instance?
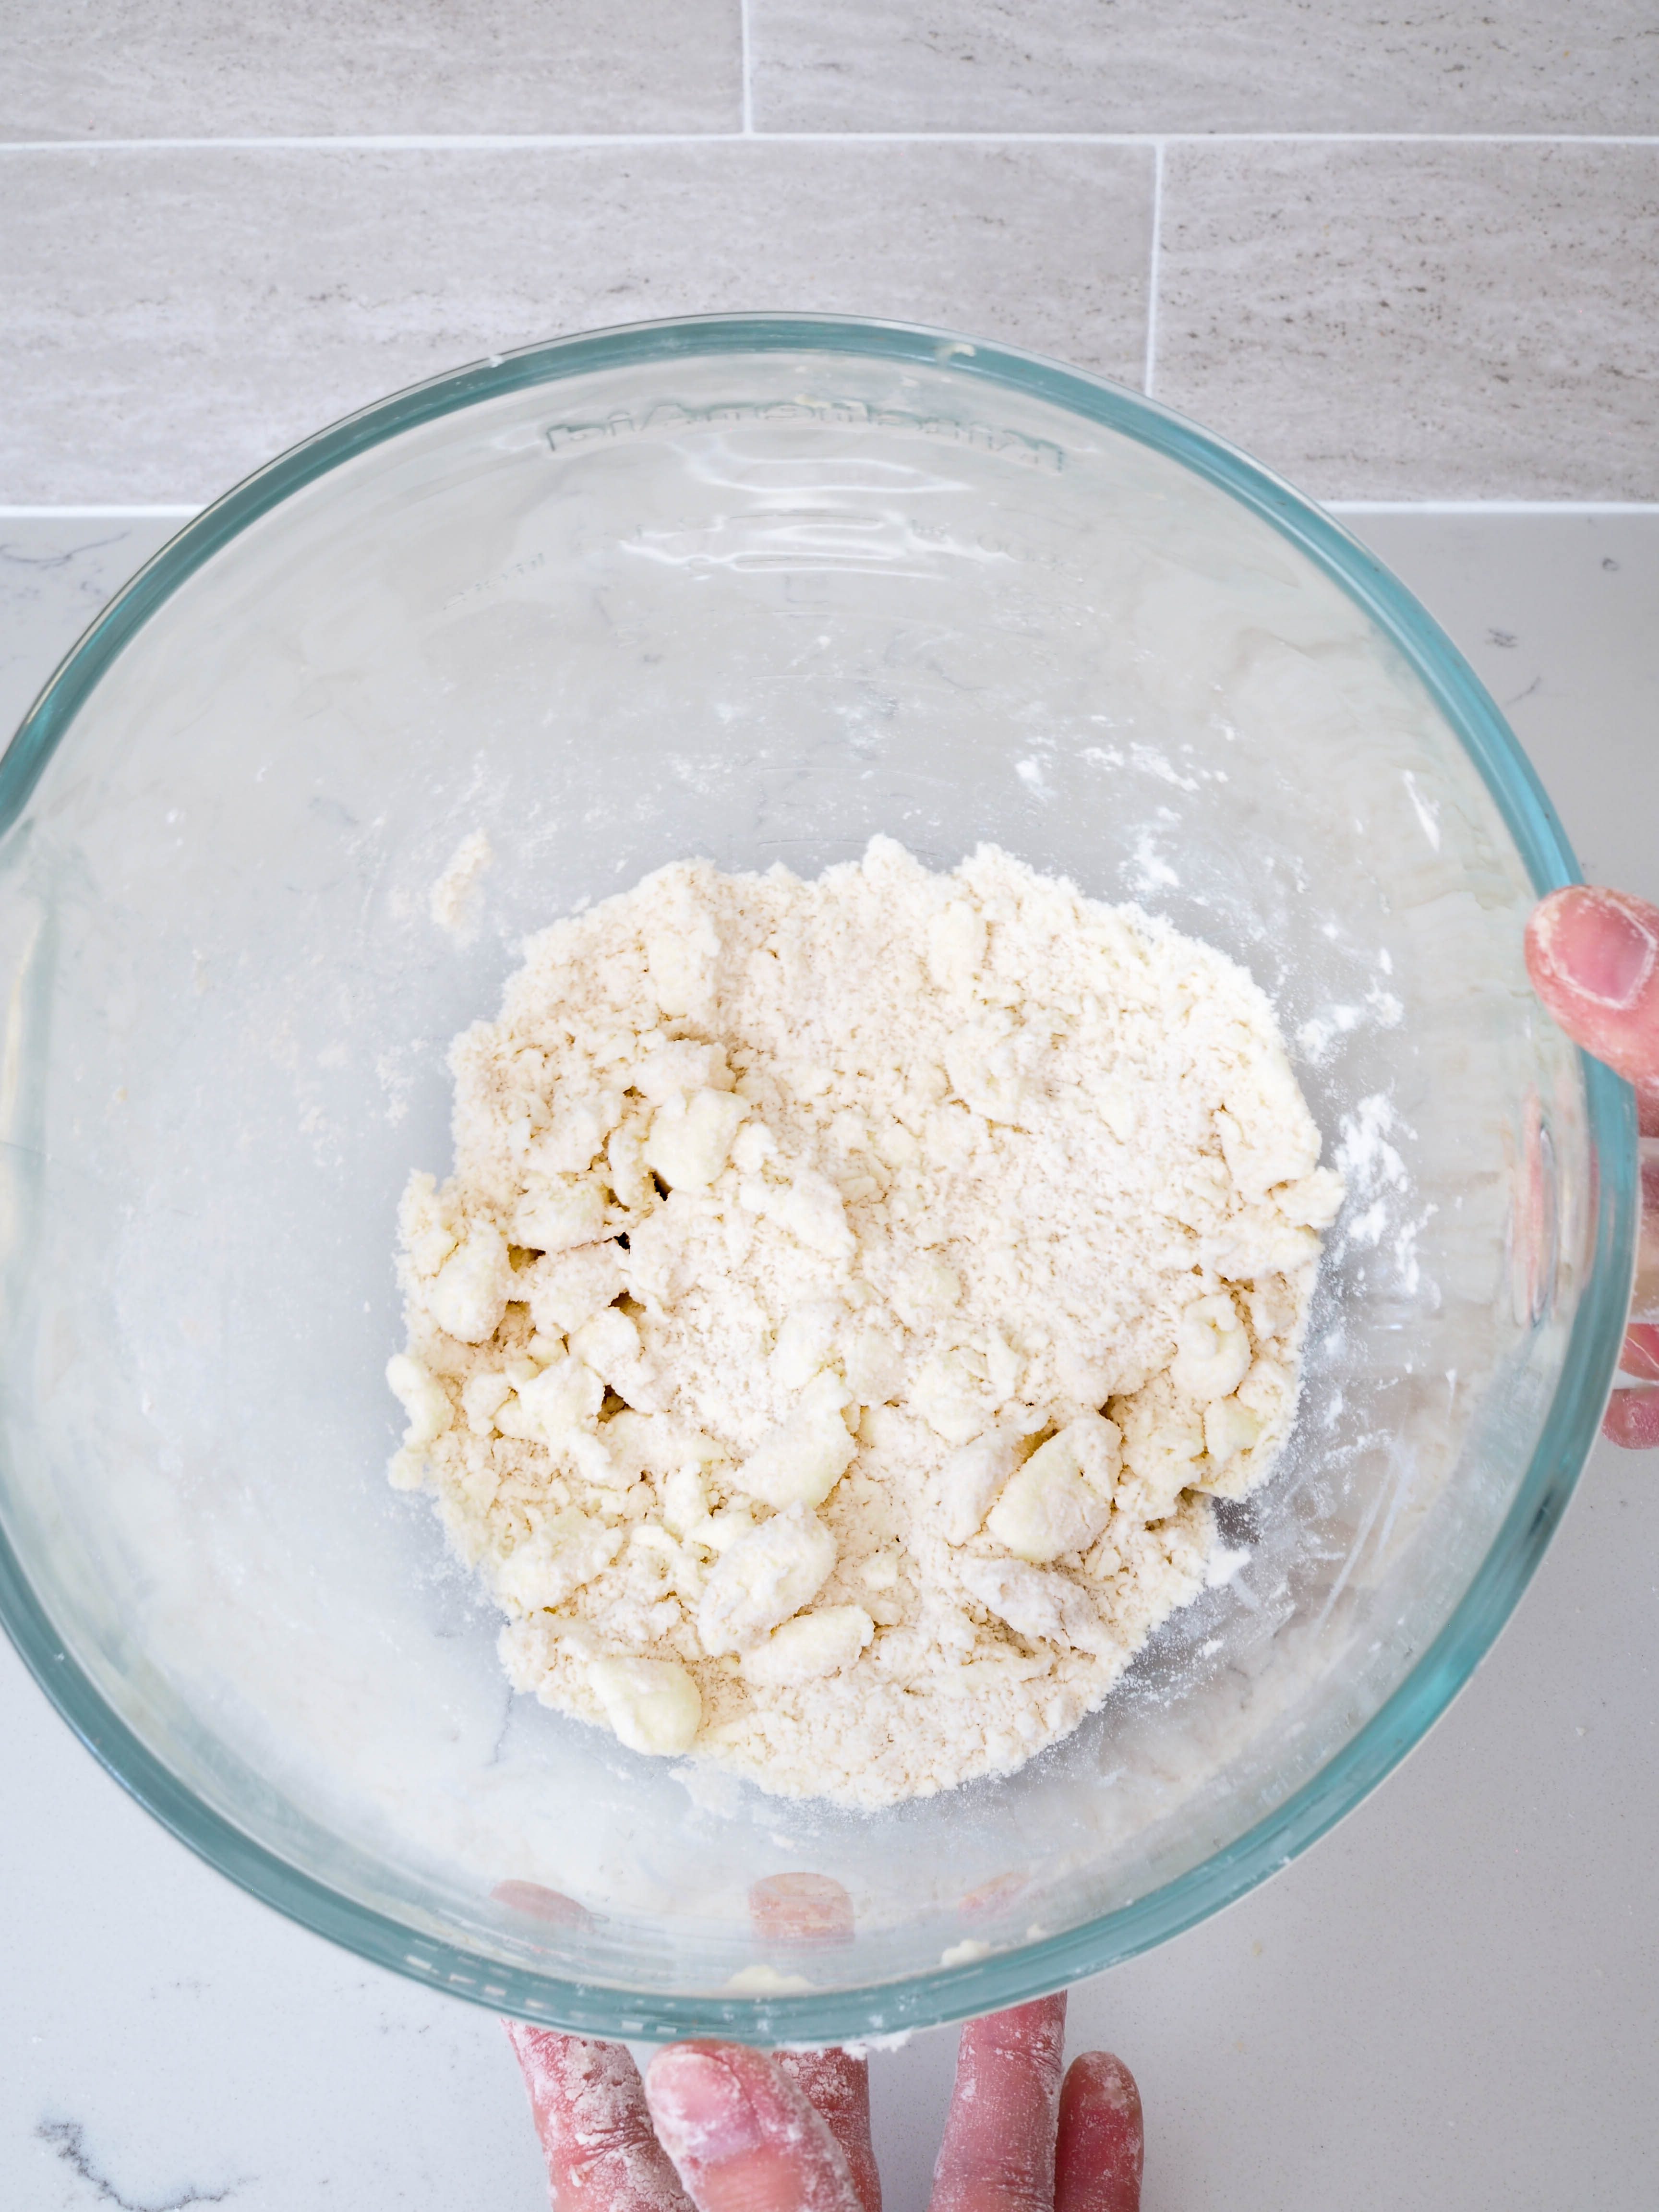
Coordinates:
(752, 588)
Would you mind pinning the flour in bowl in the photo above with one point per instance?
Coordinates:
(849, 1297)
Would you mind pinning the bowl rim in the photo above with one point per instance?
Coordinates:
(1029, 1969)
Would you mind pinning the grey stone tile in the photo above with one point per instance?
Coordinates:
(189, 69)
(172, 319)
(1398, 322)
(1206, 65)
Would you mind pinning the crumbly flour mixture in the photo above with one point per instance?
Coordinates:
(847, 1300)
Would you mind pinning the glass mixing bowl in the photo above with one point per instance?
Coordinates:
(753, 589)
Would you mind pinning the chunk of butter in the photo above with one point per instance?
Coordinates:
(690, 1139)
(1049, 1609)
(568, 1549)
(763, 1579)
(651, 1704)
(565, 1396)
(805, 1457)
(423, 1398)
(1230, 1428)
(971, 1480)
(468, 1295)
(555, 1217)
(1061, 1499)
(1212, 1349)
(609, 1343)
(809, 1647)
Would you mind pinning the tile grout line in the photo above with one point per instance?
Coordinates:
(98, 513)
(548, 141)
(748, 70)
(1150, 369)
(1494, 506)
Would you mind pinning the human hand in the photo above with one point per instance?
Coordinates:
(1593, 959)
(720, 2128)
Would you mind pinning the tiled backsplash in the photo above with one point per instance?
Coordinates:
(1400, 251)
(1203, 65)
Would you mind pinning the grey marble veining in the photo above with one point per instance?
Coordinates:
(1556, 613)
(174, 319)
(54, 578)
(1447, 2004)
(1392, 321)
(166, 2042)
(1520, 65)
(197, 69)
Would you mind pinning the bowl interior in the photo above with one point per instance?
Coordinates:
(755, 596)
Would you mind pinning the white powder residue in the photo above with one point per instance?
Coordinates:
(966, 1953)
(1371, 1166)
(857, 2047)
(848, 1299)
(763, 1981)
(454, 901)
(1224, 1564)
(1317, 1036)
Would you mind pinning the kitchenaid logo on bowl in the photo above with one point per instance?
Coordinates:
(664, 416)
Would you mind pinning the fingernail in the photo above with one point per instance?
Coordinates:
(700, 2107)
(1600, 948)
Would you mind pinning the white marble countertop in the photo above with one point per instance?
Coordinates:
(1449, 2001)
